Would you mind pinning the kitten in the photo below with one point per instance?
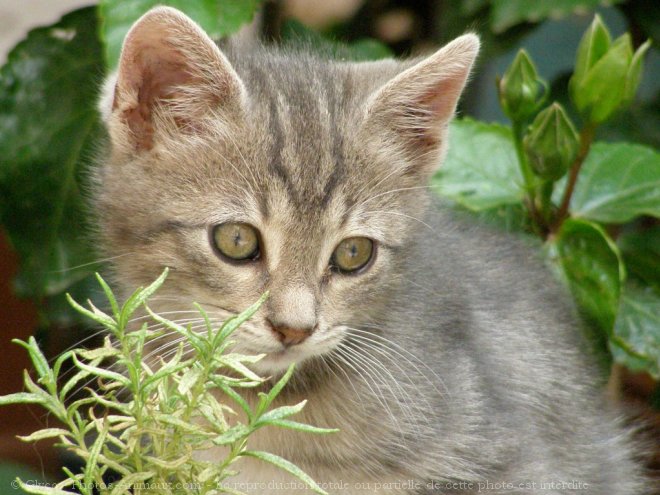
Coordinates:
(445, 353)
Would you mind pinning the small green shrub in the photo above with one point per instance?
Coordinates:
(146, 420)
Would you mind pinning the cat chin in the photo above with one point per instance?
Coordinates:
(276, 363)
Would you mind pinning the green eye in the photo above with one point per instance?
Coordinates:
(352, 254)
(236, 241)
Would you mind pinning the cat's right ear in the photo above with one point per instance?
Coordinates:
(170, 76)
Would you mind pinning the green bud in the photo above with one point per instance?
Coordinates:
(521, 91)
(594, 44)
(635, 73)
(606, 73)
(552, 143)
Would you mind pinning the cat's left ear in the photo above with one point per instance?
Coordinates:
(170, 76)
(413, 109)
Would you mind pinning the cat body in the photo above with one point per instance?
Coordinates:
(448, 357)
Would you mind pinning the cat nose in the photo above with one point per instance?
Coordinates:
(290, 336)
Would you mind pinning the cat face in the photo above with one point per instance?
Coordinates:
(254, 171)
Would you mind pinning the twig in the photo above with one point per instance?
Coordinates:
(586, 138)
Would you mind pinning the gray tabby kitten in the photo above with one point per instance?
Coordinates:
(445, 353)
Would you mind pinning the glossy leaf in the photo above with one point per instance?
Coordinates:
(508, 13)
(49, 131)
(481, 169)
(218, 18)
(618, 182)
(637, 330)
(590, 263)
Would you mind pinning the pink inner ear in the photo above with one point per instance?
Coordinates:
(153, 81)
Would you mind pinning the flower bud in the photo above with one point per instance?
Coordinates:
(606, 74)
(521, 91)
(551, 144)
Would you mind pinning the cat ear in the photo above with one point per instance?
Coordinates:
(413, 109)
(170, 71)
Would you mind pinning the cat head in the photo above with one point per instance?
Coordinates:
(258, 170)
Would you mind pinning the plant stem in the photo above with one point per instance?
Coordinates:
(586, 138)
(528, 177)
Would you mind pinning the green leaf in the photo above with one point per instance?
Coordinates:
(110, 296)
(366, 49)
(281, 412)
(508, 13)
(139, 297)
(22, 398)
(637, 331)
(286, 466)
(481, 169)
(294, 425)
(49, 131)
(232, 435)
(226, 388)
(641, 253)
(37, 357)
(618, 182)
(265, 400)
(510, 218)
(121, 486)
(41, 490)
(91, 463)
(229, 326)
(101, 372)
(591, 265)
(297, 33)
(45, 433)
(218, 18)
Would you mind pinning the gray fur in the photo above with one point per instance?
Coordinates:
(465, 364)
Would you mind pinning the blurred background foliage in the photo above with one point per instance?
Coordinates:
(50, 130)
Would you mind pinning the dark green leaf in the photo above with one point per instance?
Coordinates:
(618, 182)
(49, 129)
(481, 169)
(364, 49)
(510, 218)
(641, 253)
(637, 330)
(590, 263)
(508, 13)
(218, 18)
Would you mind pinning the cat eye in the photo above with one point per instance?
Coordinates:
(236, 241)
(352, 254)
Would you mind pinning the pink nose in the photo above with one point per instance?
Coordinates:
(291, 336)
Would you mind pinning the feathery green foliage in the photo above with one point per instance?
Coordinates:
(147, 419)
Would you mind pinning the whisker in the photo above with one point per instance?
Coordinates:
(374, 366)
(401, 352)
(347, 359)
